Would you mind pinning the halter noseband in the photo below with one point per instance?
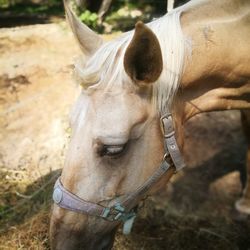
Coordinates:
(124, 210)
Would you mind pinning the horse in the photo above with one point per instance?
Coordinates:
(138, 91)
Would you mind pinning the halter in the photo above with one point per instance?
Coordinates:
(124, 209)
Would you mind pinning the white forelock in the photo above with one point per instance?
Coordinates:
(105, 68)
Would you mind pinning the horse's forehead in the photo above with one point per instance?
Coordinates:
(115, 105)
(112, 98)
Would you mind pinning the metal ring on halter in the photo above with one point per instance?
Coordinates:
(165, 157)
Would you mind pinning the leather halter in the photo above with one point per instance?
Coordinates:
(124, 208)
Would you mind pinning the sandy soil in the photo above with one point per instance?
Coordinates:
(36, 93)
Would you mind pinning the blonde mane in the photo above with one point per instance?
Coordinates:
(105, 68)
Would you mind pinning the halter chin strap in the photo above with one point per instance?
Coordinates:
(124, 209)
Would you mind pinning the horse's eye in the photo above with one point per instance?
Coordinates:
(112, 150)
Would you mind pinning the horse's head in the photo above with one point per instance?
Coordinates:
(117, 141)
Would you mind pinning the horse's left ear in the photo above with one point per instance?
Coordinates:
(143, 58)
(88, 40)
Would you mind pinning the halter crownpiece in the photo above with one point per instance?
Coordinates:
(124, 208)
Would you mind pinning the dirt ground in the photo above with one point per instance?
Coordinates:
(36, 94)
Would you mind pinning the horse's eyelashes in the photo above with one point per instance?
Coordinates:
(111, 150)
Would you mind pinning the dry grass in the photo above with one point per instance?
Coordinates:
(24, 210)
(33, 234)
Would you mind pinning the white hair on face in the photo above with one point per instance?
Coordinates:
(105, 68)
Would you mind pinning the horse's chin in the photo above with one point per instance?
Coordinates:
(106, 243)
(99, 243)
(103, 243)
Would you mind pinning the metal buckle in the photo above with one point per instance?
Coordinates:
(167, 128)
(166, 115)
(116, 213)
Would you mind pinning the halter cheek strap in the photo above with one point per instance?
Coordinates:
(123, 210)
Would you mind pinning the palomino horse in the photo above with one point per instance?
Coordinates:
(194, 59)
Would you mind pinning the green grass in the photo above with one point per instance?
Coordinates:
(33, 9)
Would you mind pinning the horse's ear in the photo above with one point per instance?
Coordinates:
(88, 40)
(143, 58)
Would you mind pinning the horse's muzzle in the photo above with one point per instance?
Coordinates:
(67, 237)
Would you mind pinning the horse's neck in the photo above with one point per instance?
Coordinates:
(217, 74)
